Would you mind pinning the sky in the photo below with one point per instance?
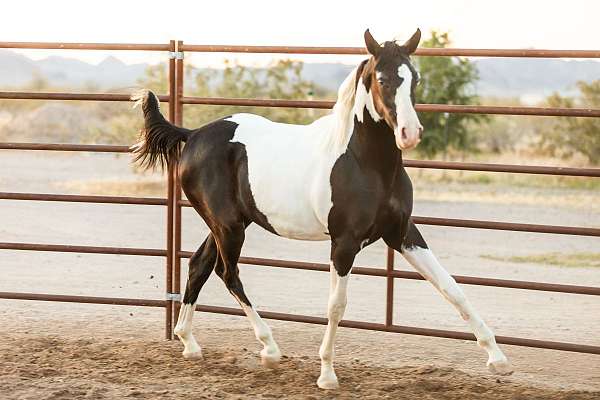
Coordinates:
(548, 24)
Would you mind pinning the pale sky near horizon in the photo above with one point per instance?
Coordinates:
(472, 24)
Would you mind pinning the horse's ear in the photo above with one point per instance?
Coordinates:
(372, 46)
(412, 43)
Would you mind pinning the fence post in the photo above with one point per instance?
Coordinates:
(170, 204)
(179, 77)
(389, 295)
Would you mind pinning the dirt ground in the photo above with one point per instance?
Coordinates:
(72, 351)
(58, 367)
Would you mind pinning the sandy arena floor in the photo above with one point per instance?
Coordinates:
(65, 358)
(72, 351)
(60, 368)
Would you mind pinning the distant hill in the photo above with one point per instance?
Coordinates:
(532, 79)
(111, 72)
(17, 70)
(529, 79)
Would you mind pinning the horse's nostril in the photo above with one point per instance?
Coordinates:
(404, 133)
(420, 132)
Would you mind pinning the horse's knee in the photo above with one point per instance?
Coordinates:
(336, 309)
(454, 293)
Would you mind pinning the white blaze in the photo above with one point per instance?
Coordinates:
(407, 119)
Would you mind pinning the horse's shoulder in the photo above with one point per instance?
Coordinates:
(401, 199)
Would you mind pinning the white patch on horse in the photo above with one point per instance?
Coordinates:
(183, 329)
(270, 354)
(364, 100)
(406, 115)
(289, 166)
(288, 173)
(335, 312)
(425, 262)
(343, 119)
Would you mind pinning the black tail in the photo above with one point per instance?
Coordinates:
(160, 141)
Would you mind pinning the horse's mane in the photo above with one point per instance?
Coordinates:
(343, 115)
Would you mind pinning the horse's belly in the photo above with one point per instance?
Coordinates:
(300, 228)
(289, 208)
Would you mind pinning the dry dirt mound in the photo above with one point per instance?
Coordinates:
(49, 367)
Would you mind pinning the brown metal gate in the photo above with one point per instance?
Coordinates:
(174, 203)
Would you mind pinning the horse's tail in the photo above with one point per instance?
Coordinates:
(160, 141)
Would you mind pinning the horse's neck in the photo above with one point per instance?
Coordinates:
(356, 126)
(373, 145)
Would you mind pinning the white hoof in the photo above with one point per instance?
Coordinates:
(193, 355)
(270, 360)
(500, 367)
(191, 348)
(328, 382)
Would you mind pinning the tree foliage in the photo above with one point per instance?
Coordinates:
(567, 136)
(446, 80)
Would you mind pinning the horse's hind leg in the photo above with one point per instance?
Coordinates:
(201, 265)
(230, 241)
(416, 252)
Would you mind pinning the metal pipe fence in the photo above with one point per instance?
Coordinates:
(174, 202)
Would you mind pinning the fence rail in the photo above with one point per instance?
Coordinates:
(323, 104)
(67, 248)
(460, 166)
(70, 96)
(174, 202)
(86, 46)
(73, 198)
(463, 109)
(447, 52)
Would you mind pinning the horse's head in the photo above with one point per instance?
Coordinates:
(389, 80)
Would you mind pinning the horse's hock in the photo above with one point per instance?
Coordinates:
(172, 253)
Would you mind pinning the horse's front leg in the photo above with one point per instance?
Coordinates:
(416, 252)
(342, 257)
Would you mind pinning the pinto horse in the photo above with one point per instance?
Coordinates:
(339, 178)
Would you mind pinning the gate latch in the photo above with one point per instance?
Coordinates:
(174, 296)
(177, 55)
